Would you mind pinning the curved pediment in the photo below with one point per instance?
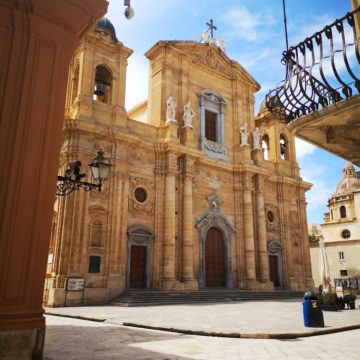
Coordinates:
(208, 55)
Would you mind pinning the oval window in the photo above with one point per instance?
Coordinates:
(345, 234)
(270, 216)
(140, 195)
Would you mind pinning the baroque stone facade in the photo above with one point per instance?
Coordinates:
(186, 207)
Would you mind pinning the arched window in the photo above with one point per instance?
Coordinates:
(331, 215)
(102, 85)
(342, 211)
(96, 233)
(284, 151)
(265, 144)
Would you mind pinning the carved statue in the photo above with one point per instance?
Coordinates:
(256, 139)
(188, 115)
(170, 109)
(244, 135)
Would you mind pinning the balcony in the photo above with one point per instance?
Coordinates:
(319, 97)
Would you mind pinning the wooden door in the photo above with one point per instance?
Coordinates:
(274, 270)
(214, 259)
(138, 267)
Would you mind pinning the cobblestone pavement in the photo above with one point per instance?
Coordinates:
(69, 339)
(243, 317)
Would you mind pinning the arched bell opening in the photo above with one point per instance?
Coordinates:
(284, 148)
(265, 144)
(102, 85)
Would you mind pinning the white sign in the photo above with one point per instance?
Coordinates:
(75, 284)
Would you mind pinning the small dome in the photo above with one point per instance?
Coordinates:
(348, 166)
(350, 183)
(106, 25)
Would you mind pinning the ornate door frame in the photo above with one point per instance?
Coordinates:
(214, 218)
(275, 249)
(142, 236)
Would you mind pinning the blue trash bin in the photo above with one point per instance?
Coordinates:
(312, 312)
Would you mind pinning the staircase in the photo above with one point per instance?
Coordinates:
(207, 296)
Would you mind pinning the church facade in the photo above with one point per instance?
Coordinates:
(201, 192)
(341, 233)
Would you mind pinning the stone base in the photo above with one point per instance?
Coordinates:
(171, 129)
(257, 156)
(191, 285)
(266, 285)
(242, 154)
(253, 284)
(175, 285)
(56, 297)
(188, 137)
(22, 344)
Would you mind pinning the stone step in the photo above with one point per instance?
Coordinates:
(153, 298)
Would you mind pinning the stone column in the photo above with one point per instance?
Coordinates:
(249, 231)
(261, 233)
(169, 253)
(188, 227)
(37, 40)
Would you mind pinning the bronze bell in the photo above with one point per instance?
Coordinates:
(100, 88)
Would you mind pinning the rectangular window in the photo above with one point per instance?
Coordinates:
(210, 125)
(94, 264)
(341, 255)
(343, 272)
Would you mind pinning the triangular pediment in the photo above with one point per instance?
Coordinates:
(210, 56)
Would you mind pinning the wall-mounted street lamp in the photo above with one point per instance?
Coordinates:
(71, 180)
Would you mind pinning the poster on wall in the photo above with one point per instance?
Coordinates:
(74, 284)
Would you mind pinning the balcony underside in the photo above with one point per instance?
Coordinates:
(335, 129)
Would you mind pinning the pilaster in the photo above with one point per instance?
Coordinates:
(249, 231)
(261, 234)
(38, 40)
(169, 252)
(188, 226)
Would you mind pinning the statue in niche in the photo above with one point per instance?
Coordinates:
(244, 135)
(256, 139)
(188, 115)
(170, 109)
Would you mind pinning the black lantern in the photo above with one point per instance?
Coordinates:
(100, 168)
(71, 180)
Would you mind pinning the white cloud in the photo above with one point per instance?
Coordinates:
(303, 148)
(247, 25)
(319, 194)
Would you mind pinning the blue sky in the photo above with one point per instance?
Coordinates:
(254, 34)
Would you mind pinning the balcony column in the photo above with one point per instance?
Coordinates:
(37, 40)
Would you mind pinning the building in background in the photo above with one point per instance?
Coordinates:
(201, 194)
(341, 232)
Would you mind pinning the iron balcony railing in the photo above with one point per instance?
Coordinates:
(320, 71)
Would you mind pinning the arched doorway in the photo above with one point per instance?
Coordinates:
(214, 259)
(275, 268)
(139, 257)
(215, 232)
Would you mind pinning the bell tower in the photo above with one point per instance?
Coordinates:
(277, 142)
(97, 78)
